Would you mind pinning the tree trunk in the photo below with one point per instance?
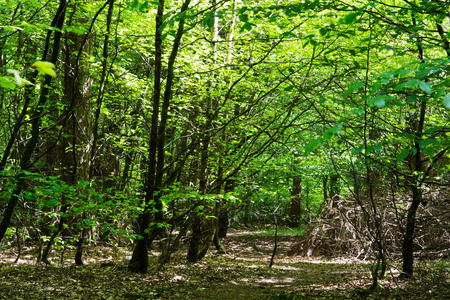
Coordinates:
(139, 259)
(408, 240)
(334, 189)
(58, 22)
(194, 245)
(295, 212)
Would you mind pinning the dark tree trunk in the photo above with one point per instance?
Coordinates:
(58, 22)
(223, 224)
(295, 212)
(139, 259)
(99, 101)
(194, 245)
(217, 243)
(408, 240)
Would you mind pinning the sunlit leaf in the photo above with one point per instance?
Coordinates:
(379, 101)
(45, 68)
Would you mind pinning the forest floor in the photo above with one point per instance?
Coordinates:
(241, 273)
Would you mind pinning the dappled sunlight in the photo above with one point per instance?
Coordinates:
(236, 275)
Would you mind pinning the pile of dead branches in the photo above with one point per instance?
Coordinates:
(349, 227)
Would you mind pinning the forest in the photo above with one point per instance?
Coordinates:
(224, 149)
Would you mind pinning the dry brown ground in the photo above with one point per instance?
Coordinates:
(242, 273)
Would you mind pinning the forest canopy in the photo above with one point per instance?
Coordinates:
(131, 122)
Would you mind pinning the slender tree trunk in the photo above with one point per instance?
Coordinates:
(58, 22)
(295, 211)
(408, 239)
(417, 128)
(335, 191)
(139, 259)
(223, 216)
(99, 102)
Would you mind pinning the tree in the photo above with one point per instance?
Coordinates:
(25, 161)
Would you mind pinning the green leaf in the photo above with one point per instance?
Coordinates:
(424, 143)
(358, 111)
(247, 26)
(52, 203)
(402, 155)
(335, 130)
(6, 83)
(424, 86)
(289, 34)
(421, 84)
(243, 18)
(411, 99)
(323, 31)
(353, 87)
(377, 147)
(379, 101)
(311, 145)
(210, 22)
(327, 135)
(134, 4)
(350, 18)
(439, 93)
(289, 88)
(76, 30)
(45, 68)
(446, 101)
(376, 86)
(429, 151)
(357, 150)
(143, 6)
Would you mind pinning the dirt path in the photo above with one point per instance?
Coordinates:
(242, 273)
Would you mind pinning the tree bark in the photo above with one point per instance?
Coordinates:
(139, 260)
(334, 189)
(295, 211)
(408, 239)
(58, 22)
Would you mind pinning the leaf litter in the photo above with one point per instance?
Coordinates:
(241, 273)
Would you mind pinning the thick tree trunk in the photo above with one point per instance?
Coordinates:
(194, 245)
